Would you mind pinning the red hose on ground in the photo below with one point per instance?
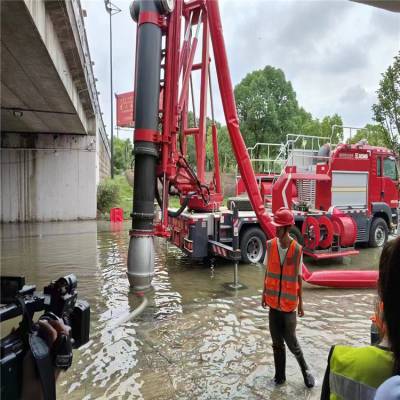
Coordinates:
(341, 279)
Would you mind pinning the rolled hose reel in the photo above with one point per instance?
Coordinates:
(346, 228)
(319, 232)
(326, 227)
(311, 232)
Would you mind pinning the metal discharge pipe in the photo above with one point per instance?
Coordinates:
(147, 92)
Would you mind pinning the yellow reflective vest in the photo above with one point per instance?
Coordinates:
(356, 372)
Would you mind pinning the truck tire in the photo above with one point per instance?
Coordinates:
(253, 245)
(296, 234)
(378, 233)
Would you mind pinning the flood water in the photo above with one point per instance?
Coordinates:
(195, 339)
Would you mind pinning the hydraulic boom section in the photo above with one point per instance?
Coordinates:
(165, 64)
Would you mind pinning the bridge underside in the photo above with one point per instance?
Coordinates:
(390, 5)
(34, 95)
(51, 129)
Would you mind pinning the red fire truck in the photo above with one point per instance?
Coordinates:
(341, 195)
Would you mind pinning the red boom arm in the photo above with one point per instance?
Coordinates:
(232, 120)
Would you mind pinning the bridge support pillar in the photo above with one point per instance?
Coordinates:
(47, 177)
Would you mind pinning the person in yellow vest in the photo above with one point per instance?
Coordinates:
(283, 295)
(355, 373)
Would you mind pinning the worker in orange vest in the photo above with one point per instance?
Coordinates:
(283, 295)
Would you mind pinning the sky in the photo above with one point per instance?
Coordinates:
(333, 52)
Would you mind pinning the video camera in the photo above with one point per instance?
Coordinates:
(58, 300)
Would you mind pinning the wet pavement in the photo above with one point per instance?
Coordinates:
(195, 339)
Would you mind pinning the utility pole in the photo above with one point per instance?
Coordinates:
(112, 9)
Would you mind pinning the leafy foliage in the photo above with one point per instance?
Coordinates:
(107, 195)
(376, 135)
(268, 110)
(267, 106)
(387, 110)
(331, 127)
(123, 156)
(227, 159)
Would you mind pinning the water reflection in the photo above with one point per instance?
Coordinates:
(195, 339)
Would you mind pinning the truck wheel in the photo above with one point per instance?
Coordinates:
(378, 233)
(253, 245)
(296, 234)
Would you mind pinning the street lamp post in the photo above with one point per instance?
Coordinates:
(112, 9)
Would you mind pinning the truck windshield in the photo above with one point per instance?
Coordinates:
(389, 168)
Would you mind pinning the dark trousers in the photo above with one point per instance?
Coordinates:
(282, 326)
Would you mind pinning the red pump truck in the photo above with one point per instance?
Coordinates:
(340, 195)
(168, 35)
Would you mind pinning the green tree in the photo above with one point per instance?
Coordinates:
(306, 124)
(267, 106)
(227, 159)
(122, 154)
(326, 126)
(268, 110)
(376, 135)
(191, 146)
(108, 195)
(387, 110)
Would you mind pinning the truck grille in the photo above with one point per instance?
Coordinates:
(306, 191)
(361, 234)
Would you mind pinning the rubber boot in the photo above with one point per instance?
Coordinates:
(280, 365)
(309, 380)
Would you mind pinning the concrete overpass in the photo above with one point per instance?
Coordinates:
(390, 5)
(54, 148)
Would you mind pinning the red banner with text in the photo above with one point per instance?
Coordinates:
(125, 112)
(124, 104)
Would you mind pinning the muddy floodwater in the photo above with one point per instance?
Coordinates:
(195, 339)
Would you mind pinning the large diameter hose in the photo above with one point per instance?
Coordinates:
(125, 318)
(341, 279)
(180, 210)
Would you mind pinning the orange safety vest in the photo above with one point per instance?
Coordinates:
(379, 319)
(281, 281)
